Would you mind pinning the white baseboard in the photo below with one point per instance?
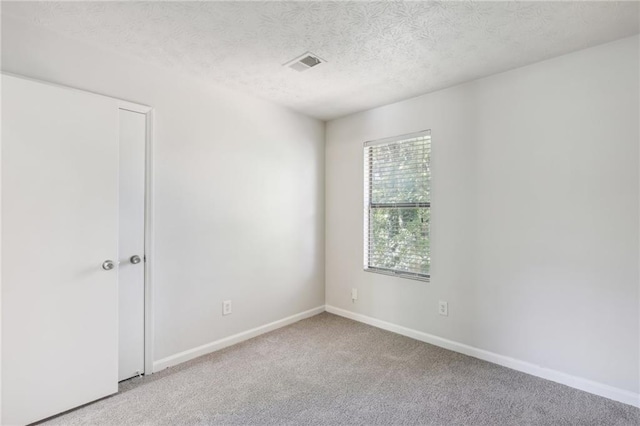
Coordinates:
(586, 385)
(231, 340)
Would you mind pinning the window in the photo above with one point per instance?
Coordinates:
(398, 205)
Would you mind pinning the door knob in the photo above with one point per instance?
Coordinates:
(108, 265)
(135, 259)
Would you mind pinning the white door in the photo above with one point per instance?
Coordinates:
(131, 244)
(59, 225)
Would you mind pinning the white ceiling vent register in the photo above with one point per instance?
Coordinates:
(304, 62)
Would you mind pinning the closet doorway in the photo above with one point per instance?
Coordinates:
(75, 247)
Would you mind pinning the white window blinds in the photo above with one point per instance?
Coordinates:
(398, 205)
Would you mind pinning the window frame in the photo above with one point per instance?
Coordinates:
(369, 206)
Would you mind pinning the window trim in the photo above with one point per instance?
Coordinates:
(369, 205)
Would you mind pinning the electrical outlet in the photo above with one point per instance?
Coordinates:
(226, 307)
(443, 308)
(354, 294)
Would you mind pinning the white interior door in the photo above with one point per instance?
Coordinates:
(131, 244)
(59, 224)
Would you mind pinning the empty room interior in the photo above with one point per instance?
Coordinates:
(320, 213)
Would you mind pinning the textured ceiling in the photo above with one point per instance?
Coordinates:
(377, 52)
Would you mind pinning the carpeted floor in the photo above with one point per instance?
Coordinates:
(328, 370)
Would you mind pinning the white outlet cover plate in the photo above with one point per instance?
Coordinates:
(226, 307)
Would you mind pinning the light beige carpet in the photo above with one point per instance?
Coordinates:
(328, 370)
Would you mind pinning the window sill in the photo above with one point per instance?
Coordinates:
(410, 276)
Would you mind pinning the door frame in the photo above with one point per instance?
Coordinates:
(148, 228)
(148, 111)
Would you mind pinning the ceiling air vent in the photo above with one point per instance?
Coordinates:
(304, 62)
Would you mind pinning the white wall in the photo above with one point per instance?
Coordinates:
(239, 190)
(534, 218)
